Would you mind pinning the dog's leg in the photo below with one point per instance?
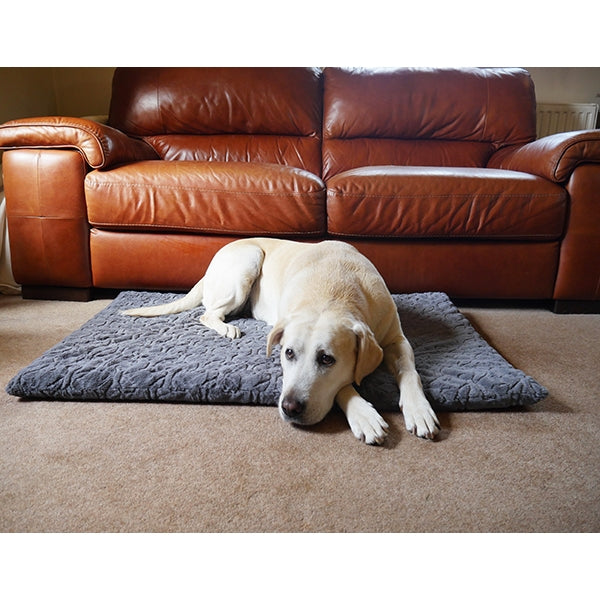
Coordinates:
(365, 422)
(418, 414)
(223, 290)
(227, 284)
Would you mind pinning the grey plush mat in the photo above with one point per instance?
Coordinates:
(174, 359)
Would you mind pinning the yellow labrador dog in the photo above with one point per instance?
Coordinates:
(334, 318)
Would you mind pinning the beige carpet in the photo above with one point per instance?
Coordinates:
(94, 467)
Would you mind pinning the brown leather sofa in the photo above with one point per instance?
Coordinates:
(434, 174)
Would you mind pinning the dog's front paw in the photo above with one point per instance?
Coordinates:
(421, 421)
(366, 424)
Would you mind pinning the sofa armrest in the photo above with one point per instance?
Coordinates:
(101, 146)
(554, 157)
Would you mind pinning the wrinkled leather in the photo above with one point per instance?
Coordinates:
(438, 117)
(554, 157)
(342, 155)
(301, 152)
(217, 100)
(437, 202)
(47, 218)
(479, 105)
(209, 197)
(100, 145)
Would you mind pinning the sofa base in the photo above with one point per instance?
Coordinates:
(573, 307)
(45, 292)
(561, 307)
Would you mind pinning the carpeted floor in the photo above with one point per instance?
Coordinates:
(94, 467)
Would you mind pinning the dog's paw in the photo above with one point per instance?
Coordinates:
(366, 424)
(217, 324)
(231, 331)
(421, 421)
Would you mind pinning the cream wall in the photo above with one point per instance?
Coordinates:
(26, 92)
(566, 84)
(82, 91)
(68, 91)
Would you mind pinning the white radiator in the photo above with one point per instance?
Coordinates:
(554, 118)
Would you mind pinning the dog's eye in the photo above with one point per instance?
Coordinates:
(325, 360)
(289, 354)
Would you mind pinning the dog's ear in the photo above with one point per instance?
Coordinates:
(274, 336)
(369, 355)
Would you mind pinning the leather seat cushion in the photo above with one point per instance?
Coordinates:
(211, 197)
(437, 202)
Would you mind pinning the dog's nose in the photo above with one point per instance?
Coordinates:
(292, 407)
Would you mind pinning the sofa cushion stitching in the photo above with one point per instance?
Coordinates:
(204, 190)
(479, 195)
(568, 146)
(190, 228)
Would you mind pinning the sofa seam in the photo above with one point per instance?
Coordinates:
(91, 187)
(439, 236)
(400, 195)
(568, 146)
(128, 226)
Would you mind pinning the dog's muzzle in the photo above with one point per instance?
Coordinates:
(292, 408)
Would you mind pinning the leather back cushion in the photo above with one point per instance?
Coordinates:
(376, 112)
(219, 113)
(291, 151)
(340, 155)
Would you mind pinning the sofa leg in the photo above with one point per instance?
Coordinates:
(45, 292)
(573, 307)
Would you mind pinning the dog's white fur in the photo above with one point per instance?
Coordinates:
(334, 318)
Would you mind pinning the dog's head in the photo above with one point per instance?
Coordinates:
(319, 357)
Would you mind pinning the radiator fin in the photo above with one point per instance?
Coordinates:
(555, 118)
